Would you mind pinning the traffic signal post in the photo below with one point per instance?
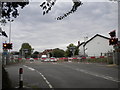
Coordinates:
(6, 54)
(116, 45)
(113, 40)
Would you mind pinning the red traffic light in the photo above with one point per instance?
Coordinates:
(113, 41)
(7, 45)
(4, 45)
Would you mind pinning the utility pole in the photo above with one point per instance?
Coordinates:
(118, 33)
(10, 20)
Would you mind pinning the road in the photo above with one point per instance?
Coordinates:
(0, 74)
(64, 75)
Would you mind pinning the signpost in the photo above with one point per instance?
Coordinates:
(72, 49)
(24, 51)
(4, 56)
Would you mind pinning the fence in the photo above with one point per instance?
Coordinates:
(93, 59)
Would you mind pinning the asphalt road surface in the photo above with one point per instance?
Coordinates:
(64, 75)
(0, 75)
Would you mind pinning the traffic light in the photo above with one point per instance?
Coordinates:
(7, 45)
(112, 34)
(4, 45)
(113, 41)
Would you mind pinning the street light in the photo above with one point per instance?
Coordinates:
(10, 30)
(10, 20)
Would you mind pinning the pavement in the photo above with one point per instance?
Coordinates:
(0, 75)
(64, 75)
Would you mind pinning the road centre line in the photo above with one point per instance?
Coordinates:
(94, 74)
(41, 75)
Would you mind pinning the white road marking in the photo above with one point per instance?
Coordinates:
(45, 79)
(98, 75)
(23, 87)
(29, 68)
(41, 75)
(95, 74)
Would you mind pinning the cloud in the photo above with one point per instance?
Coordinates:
(44, 32)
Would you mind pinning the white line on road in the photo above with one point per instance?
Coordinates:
(29, 68)
(41, 75)
(98, 75)
(94, 74)
(45, 79)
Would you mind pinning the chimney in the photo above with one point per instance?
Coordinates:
(78, 43)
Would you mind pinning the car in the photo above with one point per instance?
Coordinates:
(47, 60)
(53, 59)
(31, 59)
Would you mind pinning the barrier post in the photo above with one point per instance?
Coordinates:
(21, 78)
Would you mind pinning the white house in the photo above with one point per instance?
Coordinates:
(96, 46)
(81, 49)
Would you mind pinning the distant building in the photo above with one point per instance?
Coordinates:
(46, 52)
(98, 45)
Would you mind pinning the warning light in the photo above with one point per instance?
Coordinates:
(7, 45)
(113, 41)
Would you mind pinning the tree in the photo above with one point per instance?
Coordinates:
(46, 6)
(26, 50)
(10, 10)
(69, 50)
(76, 4)
(57, 53)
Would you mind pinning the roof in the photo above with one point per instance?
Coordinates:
(94, 37)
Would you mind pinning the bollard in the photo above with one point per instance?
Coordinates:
(21, 78)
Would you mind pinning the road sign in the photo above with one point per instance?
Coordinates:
(5, 53)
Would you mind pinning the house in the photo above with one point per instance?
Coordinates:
(98, 45)
(81, 49)
(46, 52)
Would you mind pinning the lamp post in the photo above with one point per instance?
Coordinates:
(10, 20)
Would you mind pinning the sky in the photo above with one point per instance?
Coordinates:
(45, 32)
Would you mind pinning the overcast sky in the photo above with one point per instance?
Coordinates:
(44, 32)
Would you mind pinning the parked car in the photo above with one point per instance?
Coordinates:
(47, 60)
(42, 59)
(31, 59)
(53, 59)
